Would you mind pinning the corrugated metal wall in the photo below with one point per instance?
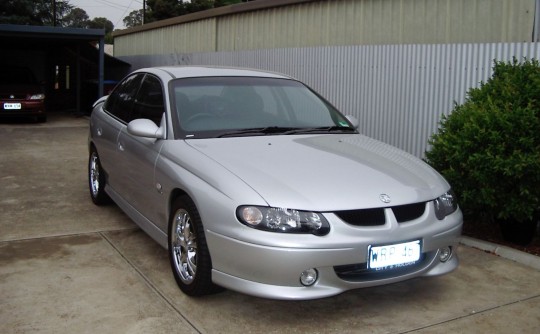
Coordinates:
(354, 22)
(398, 92)
(341, 22)
(197, 36)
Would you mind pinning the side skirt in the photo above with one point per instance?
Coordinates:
(146, 225)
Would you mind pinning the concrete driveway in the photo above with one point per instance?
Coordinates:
(67, 266)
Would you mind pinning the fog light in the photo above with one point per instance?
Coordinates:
(309, 277)
(445, 254)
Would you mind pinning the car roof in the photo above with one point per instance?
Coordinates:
(177, 72)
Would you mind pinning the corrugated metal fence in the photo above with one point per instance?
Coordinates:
(398, 92)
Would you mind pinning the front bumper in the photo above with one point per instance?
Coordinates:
(328, 284)
(274, 272)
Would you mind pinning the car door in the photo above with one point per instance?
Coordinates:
(117, 113)
(139, 154)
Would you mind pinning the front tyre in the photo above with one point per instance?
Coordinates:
(96, 179)
(188, 253)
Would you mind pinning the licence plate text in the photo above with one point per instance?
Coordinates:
(11, 106)
(394, 256)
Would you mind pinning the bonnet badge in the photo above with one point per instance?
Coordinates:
(384, 198)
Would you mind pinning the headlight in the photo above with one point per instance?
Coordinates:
(283, 220)
(445, 205)
(37, 97)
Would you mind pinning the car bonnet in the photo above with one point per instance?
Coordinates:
(325, 172)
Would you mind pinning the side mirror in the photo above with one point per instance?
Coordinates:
(353, 120)
(145, 128)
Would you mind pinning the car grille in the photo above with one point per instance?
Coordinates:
(375, 217)
(360, 273)
(405, 213)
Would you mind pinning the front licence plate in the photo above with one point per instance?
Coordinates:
(12, 106)
(393, 256)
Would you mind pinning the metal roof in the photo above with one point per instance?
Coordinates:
(77, 34)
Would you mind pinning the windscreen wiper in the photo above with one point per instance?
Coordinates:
(322, 129)
(258, 131)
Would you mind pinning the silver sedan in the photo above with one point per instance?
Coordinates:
(255, 183)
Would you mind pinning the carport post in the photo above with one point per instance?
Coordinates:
(101, 74)
(78, 78)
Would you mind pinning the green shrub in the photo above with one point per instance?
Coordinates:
(488, 148)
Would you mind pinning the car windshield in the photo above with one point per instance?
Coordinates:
(248, 106)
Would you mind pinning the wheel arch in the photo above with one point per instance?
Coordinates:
(97, 185)
(176, 193)
(203, 284)
(93, 147)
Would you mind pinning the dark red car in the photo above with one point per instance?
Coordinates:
(20, 94)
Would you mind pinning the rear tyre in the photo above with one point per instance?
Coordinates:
(188, 252)
(96, 179)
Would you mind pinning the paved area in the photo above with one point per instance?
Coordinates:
(67, 266)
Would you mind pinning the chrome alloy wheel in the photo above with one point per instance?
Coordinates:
(184, 246)
(94, 174)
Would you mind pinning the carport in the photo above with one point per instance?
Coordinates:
(69, 62)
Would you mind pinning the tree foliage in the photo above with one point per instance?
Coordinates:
(18, 12)
(33, 12)
(489, 147)
(135, 18)
(163, 9)
(76, 18)
(101, 23)
(41, 13)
